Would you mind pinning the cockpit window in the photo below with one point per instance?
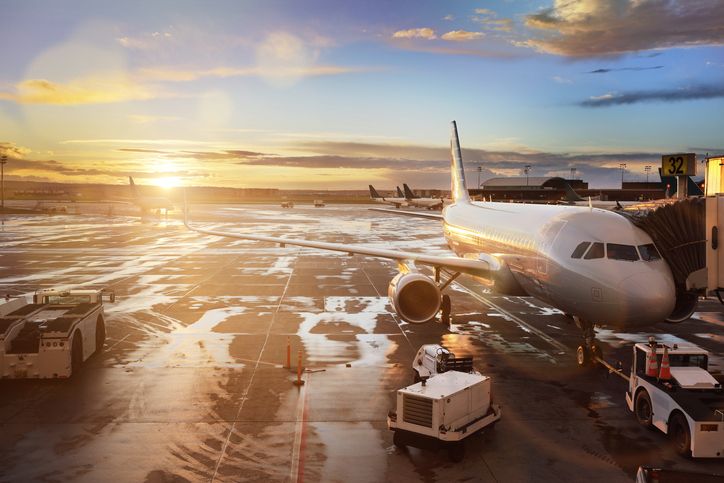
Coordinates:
(580, 250)
(596, 251)
(649, 252)
(622, 252)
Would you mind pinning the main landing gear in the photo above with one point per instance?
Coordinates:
(445, 304)
(588, 352)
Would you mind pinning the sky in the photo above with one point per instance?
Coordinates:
(339, 95)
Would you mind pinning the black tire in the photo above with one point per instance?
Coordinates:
(397, 440)
(643, 410)
(445, 309)
(76, 353)
(583, 356)
(680, 434)
(456, 451)
(100, 333)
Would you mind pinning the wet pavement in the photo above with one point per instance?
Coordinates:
(191, 385)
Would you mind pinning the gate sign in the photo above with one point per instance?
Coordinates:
(682, 164)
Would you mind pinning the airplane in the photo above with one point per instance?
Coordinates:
(573, 198)
(414, 200)
(594, 265)
(147, 203)
(396, 202)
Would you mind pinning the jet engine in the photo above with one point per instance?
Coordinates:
(416, 298)
(684, 307)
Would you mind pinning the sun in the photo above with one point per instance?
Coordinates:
(167, 182)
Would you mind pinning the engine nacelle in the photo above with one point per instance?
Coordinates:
(684, 308)
(415, 297)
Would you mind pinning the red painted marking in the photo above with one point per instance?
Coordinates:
(302, 443)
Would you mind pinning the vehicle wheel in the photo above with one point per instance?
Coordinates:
(680, 434)
(583, 356)
(456, 451)
(416, 376)
(76, 353)
(445, 309)
(397, 440)
(642, 409)
(100, 333)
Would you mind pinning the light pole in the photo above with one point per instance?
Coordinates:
(647, 169)
(3, 161)
(527, 172)
(480, 169)
(573, 173)
(623, 168)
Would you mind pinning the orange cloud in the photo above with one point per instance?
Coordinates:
(462, 36)
(92, 90)
(419, 33)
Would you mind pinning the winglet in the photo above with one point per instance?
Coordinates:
(458, 190)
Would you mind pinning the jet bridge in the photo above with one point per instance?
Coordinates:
(678, 228)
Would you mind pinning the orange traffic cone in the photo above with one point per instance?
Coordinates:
(665, 372)
(652, 367)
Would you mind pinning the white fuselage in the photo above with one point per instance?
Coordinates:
(392, 201)
(536, 243)
(426, 202)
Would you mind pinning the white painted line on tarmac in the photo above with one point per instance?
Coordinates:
(523, 325)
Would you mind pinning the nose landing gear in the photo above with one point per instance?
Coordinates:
(589, 351)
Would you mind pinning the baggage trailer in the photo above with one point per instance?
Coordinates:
(440, 412)
(688, 406)
(52, 336)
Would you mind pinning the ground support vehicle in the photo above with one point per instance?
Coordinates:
(688, 406)
(52, 336)
(319, 203)
(434, 359)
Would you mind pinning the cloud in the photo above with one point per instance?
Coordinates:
(561, 80)
(418, 33)
(171, 74)
(484, 11)
(146, 119)
(12, 150)
(449, 17)
(663, 95)
(624, 69)
(594, 28)
(89, 90)
(462, 36)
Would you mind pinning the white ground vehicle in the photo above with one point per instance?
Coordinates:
(433, 359)
(689, 407)
(52, 336)
(319, 203)
(445, 407)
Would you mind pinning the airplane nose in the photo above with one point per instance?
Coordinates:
(650, 297)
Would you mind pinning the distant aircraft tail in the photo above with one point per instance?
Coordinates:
(399, 192)
(671, 184)
(408, 192)
(571, 195)
(458, 189)
(134, 190)
(374, 194)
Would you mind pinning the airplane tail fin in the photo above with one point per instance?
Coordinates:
(571, 194)
(408, 192)
(399, 192)
(373, 193)
(134, 190)
(458, 190)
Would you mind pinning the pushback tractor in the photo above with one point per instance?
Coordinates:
(52, 336)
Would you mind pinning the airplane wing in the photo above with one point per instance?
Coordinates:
(418, 214)
(473, 267)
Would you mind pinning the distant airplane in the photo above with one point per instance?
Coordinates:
(148, 203)
(671, 183)
(414, 200)
(396, 202)
(594, 265)
(399, 192)
(573, 198)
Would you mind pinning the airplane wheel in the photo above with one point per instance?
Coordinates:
(445, 309)
(680, 434)
(397, 440)
(583, 356)
(643, 409)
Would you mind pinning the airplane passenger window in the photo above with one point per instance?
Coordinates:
(596, 251)
(649, 252)
(622, 252)
(580, 250)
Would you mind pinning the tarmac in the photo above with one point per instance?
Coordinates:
(191, 384)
